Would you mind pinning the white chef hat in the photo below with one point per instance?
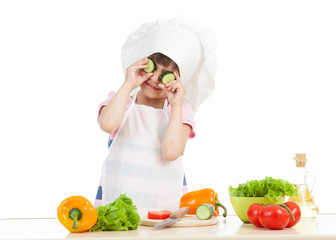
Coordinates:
(189, 44)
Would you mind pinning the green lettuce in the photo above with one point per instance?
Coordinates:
(120, 215)
(269, 187)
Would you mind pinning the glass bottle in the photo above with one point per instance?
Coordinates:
(304, 199)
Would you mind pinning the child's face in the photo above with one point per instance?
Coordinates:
(150, 88)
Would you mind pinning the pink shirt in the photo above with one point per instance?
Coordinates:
(187, 113)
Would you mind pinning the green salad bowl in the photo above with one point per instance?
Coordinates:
(241, 205)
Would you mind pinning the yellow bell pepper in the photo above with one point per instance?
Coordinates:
(77, 214)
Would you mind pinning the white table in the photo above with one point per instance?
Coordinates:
(323, 227)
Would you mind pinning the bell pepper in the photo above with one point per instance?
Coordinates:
(77, 214)
(196, 198)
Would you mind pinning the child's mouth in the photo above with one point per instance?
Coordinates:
(151, 86)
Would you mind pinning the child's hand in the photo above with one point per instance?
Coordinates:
(175, 91)
(135, 75)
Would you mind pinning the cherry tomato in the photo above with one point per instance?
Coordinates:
(295, 209)
(159, 214)
(253, 214)
(274, 217)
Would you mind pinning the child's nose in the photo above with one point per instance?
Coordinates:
(156, 76)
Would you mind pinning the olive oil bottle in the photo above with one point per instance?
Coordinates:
(308, 208)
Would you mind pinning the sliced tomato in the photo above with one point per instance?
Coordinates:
(159, 214)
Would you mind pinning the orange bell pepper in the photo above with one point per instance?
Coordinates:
(77, 214)
(196, 198)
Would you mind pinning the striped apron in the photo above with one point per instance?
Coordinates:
(134, 164)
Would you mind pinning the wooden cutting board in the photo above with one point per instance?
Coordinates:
(187, 221)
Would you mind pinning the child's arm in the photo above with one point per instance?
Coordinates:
(112, 114)
(177, 133)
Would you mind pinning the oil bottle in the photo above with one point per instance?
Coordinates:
(304, 199)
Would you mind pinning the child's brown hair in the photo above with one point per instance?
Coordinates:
(162, 59)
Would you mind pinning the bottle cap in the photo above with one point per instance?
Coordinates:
(300, 159)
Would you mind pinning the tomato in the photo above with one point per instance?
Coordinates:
(295, 209)
(159, 214)
(274, 217)
(253, 214)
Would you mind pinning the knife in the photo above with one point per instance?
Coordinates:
(173, 218)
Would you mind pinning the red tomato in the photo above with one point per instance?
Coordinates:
(253, 214)
(295, 209)
(274, 217)
(159, 214)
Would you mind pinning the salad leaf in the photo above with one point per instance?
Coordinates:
(120, 215)
(268, 187)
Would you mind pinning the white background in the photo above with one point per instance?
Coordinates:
(275, 95)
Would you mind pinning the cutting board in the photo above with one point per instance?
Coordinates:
(187, 221)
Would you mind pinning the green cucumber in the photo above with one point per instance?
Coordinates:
(205, 211)
(167, 77)
(150, 66)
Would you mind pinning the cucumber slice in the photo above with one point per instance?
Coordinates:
(205, 211)
(150, 66)
(167, 77)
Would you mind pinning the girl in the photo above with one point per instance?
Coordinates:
(149, 122)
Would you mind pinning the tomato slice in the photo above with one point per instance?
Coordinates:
(159, 214)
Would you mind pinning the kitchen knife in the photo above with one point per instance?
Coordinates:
(173, 218)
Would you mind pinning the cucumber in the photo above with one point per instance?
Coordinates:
(150, 66)
(167, 77)
(205, 211)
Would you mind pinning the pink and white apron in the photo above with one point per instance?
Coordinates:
(135, 165)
